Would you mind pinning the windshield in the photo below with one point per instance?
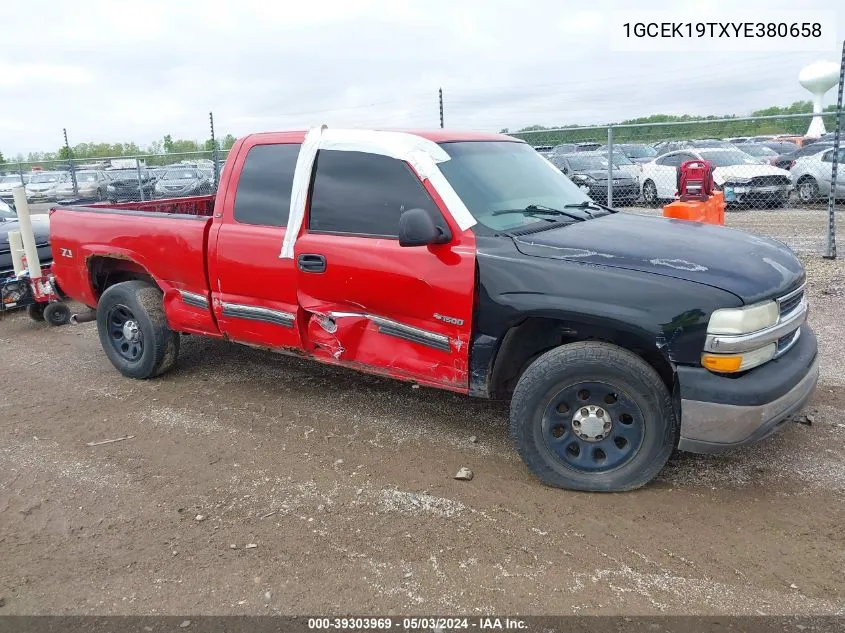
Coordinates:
(6, 212)
(639, 151)
(44, 178)
(758, 150)
(181, 174)
(587, 163)
(123, 174)
(493, 176)
(728, 157)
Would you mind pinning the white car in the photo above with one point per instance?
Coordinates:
(811, 175)
(743, 178)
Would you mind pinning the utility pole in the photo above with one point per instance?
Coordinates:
(440, 96)
(215, 154)
(70, 164)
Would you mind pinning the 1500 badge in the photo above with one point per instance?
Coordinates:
(448, 319)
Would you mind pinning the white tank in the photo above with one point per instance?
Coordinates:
(818, 78)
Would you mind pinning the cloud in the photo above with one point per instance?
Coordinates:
(115, 72)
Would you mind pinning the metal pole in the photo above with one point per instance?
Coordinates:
(140, 183)
(215, 154)
(440, 98)
(70, 165)
(20, 173)
(610, 165)
(831, 197)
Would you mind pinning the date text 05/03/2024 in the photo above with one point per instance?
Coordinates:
(418, 623)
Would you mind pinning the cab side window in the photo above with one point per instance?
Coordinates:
(356, 193)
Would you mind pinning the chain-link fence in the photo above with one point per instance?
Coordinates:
(116, 179)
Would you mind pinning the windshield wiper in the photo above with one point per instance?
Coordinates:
(538, 209)
(589, 204)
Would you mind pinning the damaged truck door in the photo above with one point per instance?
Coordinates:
(368, 300)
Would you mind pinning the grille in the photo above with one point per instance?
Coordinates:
(791, 302)
(786, 341)
(770, 181)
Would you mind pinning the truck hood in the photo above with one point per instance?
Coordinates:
(742, 172)
(751, 267)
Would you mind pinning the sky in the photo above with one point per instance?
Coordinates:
(116, 71)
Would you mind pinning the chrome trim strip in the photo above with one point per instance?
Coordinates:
(738, 343)
(193, 299)
(389, 327)
(256, 313)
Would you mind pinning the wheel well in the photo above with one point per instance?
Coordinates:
(805, 178)
(106, 271)
(536, 335)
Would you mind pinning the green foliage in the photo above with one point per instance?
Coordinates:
(721, 127)
(2, 159)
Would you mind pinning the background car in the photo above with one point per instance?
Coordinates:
(636, 152)
(182, 181)
(124, 185)
(588, 170)
(90, 185)
(8, 223)
(543, 150)
(780, 146)
(8, 182)
(741, 176)
(785, 161)
(664, 147)
(42, 185)
(759, 151)
(811, 175)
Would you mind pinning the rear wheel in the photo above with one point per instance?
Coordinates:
(592, 416)
(57, 313)
(133, 330)
(808, 189)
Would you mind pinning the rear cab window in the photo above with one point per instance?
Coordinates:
(265, 183)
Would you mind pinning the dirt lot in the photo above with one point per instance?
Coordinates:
(256, 483)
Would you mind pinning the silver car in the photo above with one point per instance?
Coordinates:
(42, 185)
(811, 175)
(90, 185)
(8, 182)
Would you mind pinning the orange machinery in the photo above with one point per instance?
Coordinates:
(697, 200)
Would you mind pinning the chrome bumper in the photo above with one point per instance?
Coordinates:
(708, 427)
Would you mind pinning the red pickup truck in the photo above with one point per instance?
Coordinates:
(466, 262)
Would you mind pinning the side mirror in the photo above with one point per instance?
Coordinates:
(416, 228)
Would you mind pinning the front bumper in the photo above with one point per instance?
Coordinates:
(719, 412)
(740, 193)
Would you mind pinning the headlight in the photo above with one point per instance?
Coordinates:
(110, 188)
(744, 320)
(738, 181)
(582, 177)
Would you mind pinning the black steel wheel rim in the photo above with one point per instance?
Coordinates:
(593, 427)
(124, 332)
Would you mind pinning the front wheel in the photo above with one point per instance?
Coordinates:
(57, 313)
(36, 311)
(808, 190)
(592, 416)
(133, 330)
(650, 193)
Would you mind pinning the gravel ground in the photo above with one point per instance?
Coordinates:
(255, 483)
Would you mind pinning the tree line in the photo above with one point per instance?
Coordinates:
(159, 152)
(722, 127)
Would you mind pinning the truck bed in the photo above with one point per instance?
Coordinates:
(166, 239)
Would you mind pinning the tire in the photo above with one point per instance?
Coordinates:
(133, 330)
(625, 440)
(808, 189)
(36, 311)
(57, 313)
(650, 194)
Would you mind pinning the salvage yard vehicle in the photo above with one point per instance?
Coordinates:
(124, 184)
(743, 178)
(812, 175)
(42, 185)
(466, 262)
(589, 170)
(90, 185)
